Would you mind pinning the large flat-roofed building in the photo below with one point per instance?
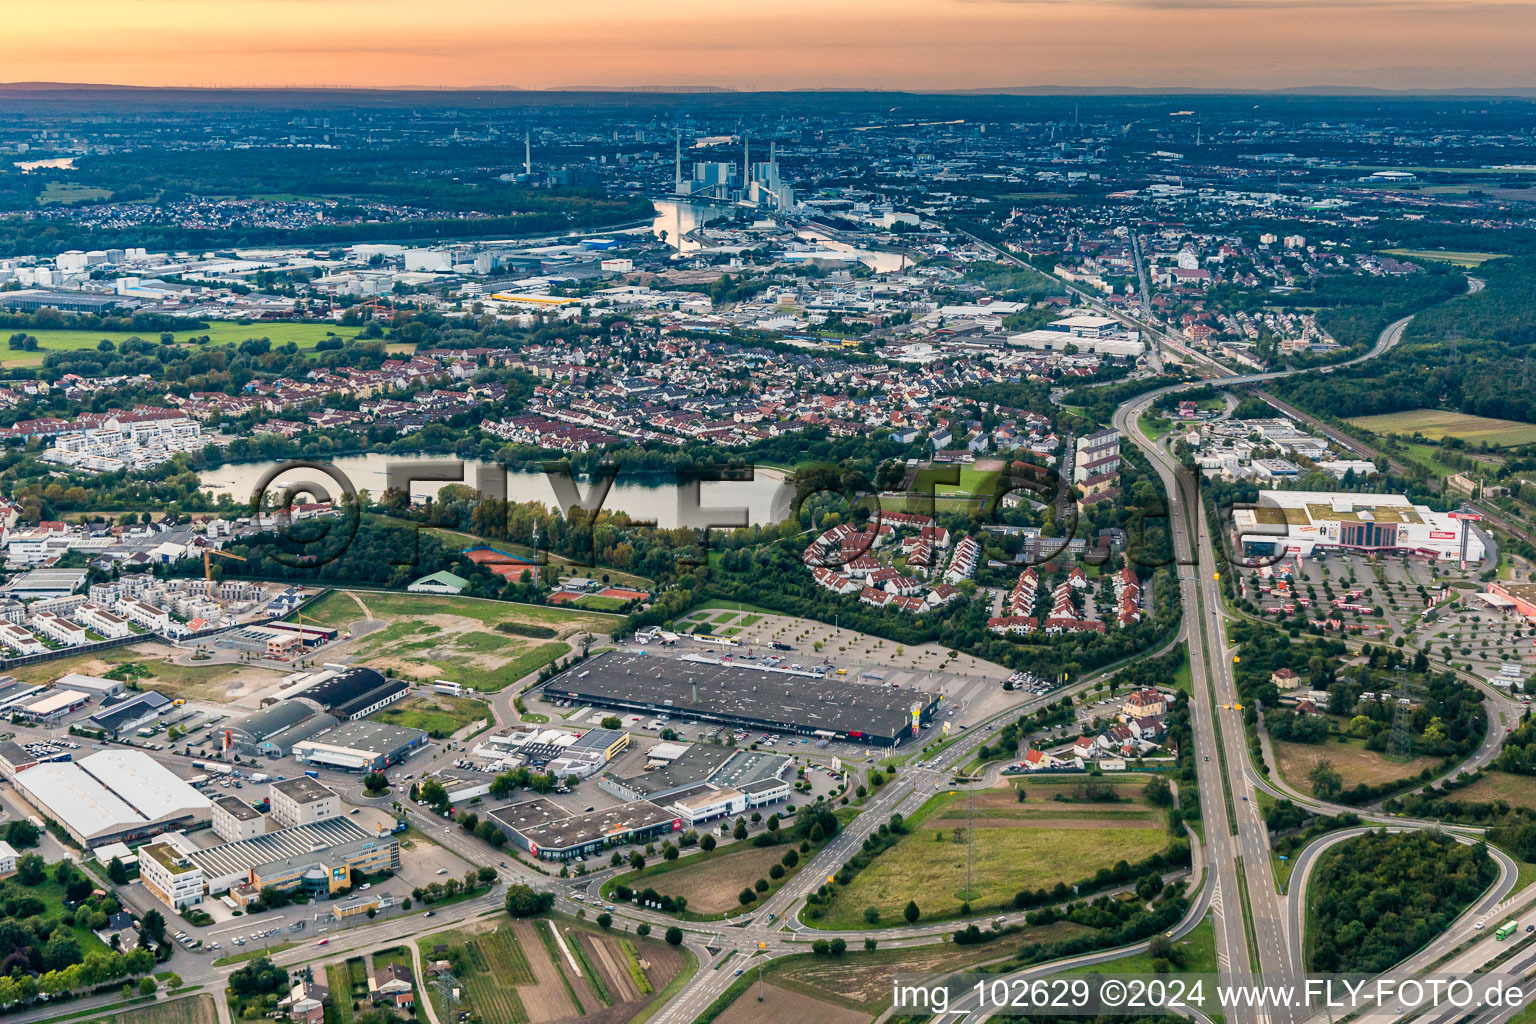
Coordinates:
(354, 693)
(550, 832)
(112, 795)
(54, 705)
(303, 801)
(276, 728)
(318, 858)
(360, 746)
(1302, 522)
(98, 685)
(1519, 598)
(747, 697)
(234, 819)
(700, 764)
(131, 712)
(45, 583)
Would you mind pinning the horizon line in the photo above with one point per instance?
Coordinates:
(1521, 91)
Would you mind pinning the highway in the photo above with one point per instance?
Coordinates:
(1257, 929)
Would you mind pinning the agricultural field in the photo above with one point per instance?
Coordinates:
(219, 332)
(517, 971)
(488, 644)
(857, 985)
(710, 881)
(1354, 763)
(1436, 424)
(1017, 845)
(1465, 260)
(197, 1009)
(439, 714)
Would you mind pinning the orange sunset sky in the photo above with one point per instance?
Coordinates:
(914, 44)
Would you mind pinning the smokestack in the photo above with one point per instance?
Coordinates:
(527, 152)
(746, 160)
(677, 178)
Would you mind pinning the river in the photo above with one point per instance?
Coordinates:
(763, 497)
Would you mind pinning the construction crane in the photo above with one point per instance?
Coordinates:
(208, 567)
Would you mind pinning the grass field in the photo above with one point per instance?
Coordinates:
(1457, 259)
(339, 980)
(197, 1009)
(434, 637)
(1436, 424)
(219, 332)
(710, 881)
(1028, 845)
(1198, 949)
(68, 192)
(1515, 790)
(1353, 762)
(439, 714)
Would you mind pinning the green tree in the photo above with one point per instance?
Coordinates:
(1325, 779)
(911, 913)
(674, 936)
(524, 901)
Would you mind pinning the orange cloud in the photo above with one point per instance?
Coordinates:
(900, 44)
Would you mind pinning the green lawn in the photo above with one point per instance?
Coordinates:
(1198, 949)
(220, 332)
(439, 714)
(67, 192)
(1028, 845)
(598, 603)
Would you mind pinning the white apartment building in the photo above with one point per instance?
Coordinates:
(102, 621)
(145, 615)
(19, 640)
(56, 627)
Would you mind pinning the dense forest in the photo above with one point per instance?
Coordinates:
(1380, 897)
(1471, 354)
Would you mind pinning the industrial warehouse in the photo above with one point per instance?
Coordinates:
(1302, 522)
(314, 702)
(360, 746)
(746, 696)
(111, 796)
(550, 832)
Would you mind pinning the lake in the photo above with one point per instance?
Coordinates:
(766, 498)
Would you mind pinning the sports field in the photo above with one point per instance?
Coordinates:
(1436, 424)
(219, 332)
